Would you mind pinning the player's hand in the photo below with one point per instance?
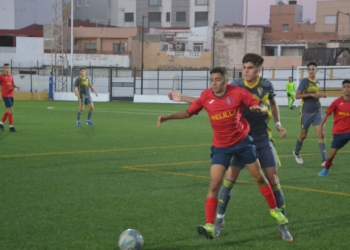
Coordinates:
(257, 109)
(282, 131)
(324, 95)
(175, 96)
(316, 96)
(75, 94)
(96, 94)
(162, 118)
(17, 88)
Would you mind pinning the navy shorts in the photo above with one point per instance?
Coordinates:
(84, 100)
(8, 102)
(306, 119)
(267, 155)
(340, 140)
(245, 151)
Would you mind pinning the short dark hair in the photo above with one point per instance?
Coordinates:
(255, 59)
(220, 70)
(6, 64)
(312, 63)
(82, 69)
(346, 81)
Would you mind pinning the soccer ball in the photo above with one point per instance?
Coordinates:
(130, 239)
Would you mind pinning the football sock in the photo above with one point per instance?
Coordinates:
(268, 195)
(225, 196)
(279, 197)
(322, 147)
(4, 117)
(78, 115)
(298, 146)
(89, 115)
(210, 209)
(328, 165)
(10, 119)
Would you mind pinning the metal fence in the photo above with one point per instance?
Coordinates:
(125, 82)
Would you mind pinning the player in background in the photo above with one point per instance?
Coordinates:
(224, 104)
(310, 111)
(8, 86)
(262, 91)
(341, 125)
(290, 88)
(83, 84)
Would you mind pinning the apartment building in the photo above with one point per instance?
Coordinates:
(333, 16)
(161, 13)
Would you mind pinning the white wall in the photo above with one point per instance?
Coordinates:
(29, 53)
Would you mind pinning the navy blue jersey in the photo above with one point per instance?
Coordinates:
(262, 91)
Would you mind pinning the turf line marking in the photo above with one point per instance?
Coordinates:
(100, 151)
(243, 182)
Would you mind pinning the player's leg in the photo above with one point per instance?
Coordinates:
(305, 122)
(9, 110)
(269, 163)
(292, 96)
(91, 108)
(5, 115)
(338, 142)
(250, 158)
(321, 141)
(81, 101)
(289, 99)
(220, 161)
(232, 174)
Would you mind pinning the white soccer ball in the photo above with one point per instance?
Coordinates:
(130, 239)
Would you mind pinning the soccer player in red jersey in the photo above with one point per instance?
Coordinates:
(224, 104)
(8, 86)
(341, 125)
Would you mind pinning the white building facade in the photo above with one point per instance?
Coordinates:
(161, 13)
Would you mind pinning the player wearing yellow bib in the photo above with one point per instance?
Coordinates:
(290, 88)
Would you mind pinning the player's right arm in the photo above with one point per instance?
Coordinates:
(76, 83)
(176, 96)
(179, 115)
(320, 128)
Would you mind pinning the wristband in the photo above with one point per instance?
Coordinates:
(278, 124)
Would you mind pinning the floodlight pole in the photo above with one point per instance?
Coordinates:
(213, 56)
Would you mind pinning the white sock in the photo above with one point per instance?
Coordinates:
(220, 216)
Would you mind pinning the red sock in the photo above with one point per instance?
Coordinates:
(10, 119)
(268, 195)
(4, 117)
(210, 209)
(328, 165)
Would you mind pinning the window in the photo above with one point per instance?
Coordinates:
(330, 19)
(201, 19)
(180, 16)
(154, 2)
(90, 46)
(79, 2)
(233, 35)
(201, 2)
(285, 27)
(198, 47)
(128, 17)
(168, 16)
(154, 19)
(119, 47)
(87, 3)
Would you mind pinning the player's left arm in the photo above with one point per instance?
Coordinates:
(93, 89)
(320, 128)
(275, 110)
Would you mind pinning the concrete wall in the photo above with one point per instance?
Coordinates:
(230, 51)
(330, 8)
